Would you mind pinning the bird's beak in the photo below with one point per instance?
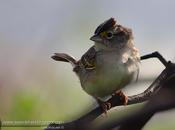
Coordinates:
(96, 38)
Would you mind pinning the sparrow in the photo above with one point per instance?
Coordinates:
(109, 65)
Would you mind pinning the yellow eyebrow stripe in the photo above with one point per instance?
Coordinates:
(103, 34)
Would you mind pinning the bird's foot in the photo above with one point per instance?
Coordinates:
(122, 96)
(104, 105)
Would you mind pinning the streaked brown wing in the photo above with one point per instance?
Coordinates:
(88, 59)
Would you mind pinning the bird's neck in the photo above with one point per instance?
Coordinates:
(129, 51)
(103, 48)
(99, 47)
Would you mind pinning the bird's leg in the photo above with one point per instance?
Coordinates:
(104, 105)
(122, 96)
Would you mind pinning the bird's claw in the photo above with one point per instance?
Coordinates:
(104, 105)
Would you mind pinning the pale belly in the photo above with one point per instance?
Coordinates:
(107, 78)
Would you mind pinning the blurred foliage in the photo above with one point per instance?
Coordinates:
(24, 107)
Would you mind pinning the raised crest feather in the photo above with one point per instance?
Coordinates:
(105, 26)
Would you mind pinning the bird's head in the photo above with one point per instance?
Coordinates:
(111, 35)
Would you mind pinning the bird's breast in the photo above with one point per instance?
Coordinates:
(110, 75)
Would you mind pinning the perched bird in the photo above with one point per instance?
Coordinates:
(109, 65)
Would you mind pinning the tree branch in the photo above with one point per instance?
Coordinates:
(155, 54)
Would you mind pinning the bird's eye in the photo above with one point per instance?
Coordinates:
(109, 35)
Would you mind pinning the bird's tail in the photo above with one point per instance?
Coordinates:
(65, 58)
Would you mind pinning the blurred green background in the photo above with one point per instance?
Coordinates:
(34, 87)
